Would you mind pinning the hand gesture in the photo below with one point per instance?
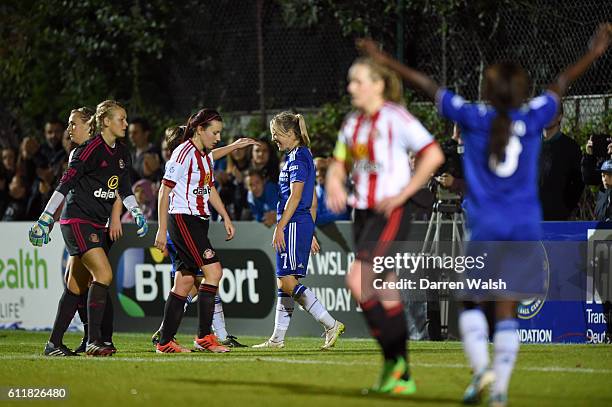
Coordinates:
(244, 142)
(372, 49)
(601, 39)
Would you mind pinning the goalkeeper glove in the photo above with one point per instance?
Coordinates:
(39, 232)
(141, 222)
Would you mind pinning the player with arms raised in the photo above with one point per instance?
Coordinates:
(502, 144)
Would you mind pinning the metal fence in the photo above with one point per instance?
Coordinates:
(254, 58)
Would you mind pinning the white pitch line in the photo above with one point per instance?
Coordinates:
(221, 359)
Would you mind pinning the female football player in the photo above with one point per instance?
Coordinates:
(97, 172)
(77, 278)
(376, 140)
(502, 143)
(173, 138)
(293, 237)
(186, 189)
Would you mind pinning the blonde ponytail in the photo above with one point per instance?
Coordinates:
(286, 121)
(103, 110)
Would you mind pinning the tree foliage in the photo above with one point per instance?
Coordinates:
(59, 54)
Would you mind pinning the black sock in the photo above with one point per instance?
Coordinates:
(96, 303)
(206, 307)
(173, 314)
(66, 309)
(395, 332)
(82, 310)
(107, 320)
(375, 316)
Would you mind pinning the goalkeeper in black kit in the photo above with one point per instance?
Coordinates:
(97, 172)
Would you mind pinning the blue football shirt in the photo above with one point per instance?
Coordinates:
(299, 167)
(507, 191)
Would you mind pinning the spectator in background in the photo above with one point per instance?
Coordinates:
(30, 159)
(17, 203)
(324, 214)
(166, 153)
(144, 192)
(262, 198)
(591, 164)
(237, 166)
(52, 149)
(423, 200)
(603, 207)
(452, 170)
(560, 176)
(265, 160)
(8, 167)
(9, 164)
(146, 158)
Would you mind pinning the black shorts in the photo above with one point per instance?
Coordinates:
(190, 236)
(376, 235)
(81, 237)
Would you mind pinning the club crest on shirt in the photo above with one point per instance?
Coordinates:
(94, 238)
(121, 163)
(208, 254)
(360, 152)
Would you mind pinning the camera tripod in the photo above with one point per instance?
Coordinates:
(438, 301)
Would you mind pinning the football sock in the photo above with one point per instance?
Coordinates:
(66, 309)
(96, 304)
(218, 321)
(206, 307)
(375, 314)
(173, 314)
(284, 312)
(82, 310)
(475, 337)
(107, 320)
(306, 298)
(395, 332)
(506, 345)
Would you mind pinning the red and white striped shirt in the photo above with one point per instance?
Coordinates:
(378, 147)
(189, 173)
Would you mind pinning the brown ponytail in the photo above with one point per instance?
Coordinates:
(202, 118)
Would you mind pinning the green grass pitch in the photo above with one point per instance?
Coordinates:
(299, 375)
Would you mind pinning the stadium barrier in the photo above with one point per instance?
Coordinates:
(31, 282)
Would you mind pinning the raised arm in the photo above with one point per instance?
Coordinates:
(416, 79)
(599, 44)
